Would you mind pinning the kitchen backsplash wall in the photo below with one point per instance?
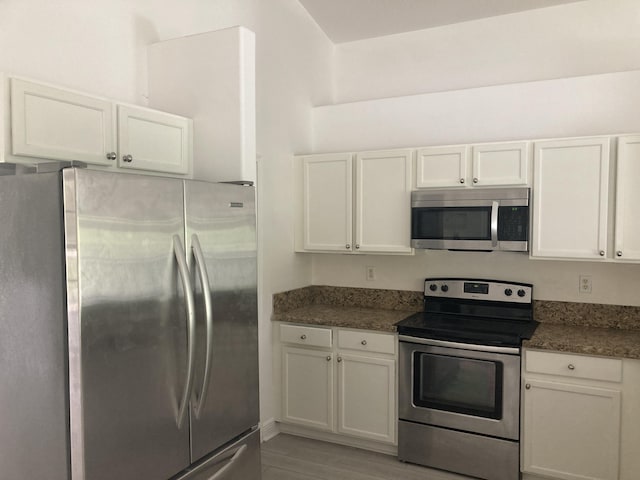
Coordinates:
(613, 284)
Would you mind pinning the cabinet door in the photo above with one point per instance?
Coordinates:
(327, 202)
(627, 229)
(571, 432)
(500, 164)
(366, 397)
(383, 201)
(151, 140)
(307, 387)
(570, 185)
(441, 167)
(53, 123)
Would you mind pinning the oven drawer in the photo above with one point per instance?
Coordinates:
(367, 341)
(310, 336)
(577, 366)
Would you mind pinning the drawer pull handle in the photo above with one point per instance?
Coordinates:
(571, 366)
(339, 359)
(303, 337)
(363, 342)
(328, 358)
(528, 386)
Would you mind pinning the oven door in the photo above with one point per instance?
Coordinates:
(459, 386)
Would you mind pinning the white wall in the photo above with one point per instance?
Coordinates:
(552, 280)
(99, 46)
(564, 71)
(588, 37)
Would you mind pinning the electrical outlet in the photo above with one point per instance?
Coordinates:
(584, 284)
(370, 273)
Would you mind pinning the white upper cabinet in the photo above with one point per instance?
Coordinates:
(570, 198)
(380, 219)
(627, 220)
(473, 165)
(152, 140)
(327, 202)
(57, 124)
(54, 123)
(383, 200)
(442, 167)
(500, 164)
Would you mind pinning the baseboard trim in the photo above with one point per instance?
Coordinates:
(268, 430)
(339, 439)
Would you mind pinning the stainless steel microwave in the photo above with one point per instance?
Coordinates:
(481, 219)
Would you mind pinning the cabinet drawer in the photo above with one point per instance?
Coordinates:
(578, 366)
(367, 341)
(312, 336)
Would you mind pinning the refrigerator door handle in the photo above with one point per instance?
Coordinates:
(208, 309)
(179, 253)
(219, 475)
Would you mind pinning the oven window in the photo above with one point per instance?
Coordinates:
(451, 223)
(457, 384)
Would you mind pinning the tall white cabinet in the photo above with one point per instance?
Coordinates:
(570, 198)
(327, 202)
(627, 220)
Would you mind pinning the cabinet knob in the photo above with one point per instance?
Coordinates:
(112, 156)
(357, 246)
(528, 386)
(571, 366)
(328, 358)
(462, 180)
(602, 253)
(348, 247)
(619, 253)
(475, 180)
(339, 359)
(127, 158)
(303, 337)
(363, 342)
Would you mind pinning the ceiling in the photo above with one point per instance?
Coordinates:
(349, 20)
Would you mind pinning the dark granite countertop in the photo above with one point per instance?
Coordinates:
(607, 342)
(583, 328)
(347, 317)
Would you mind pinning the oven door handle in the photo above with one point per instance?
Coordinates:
(494, 223)
(464, 346)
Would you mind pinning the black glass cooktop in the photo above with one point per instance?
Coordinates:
(467, 329)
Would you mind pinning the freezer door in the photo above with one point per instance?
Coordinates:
(221, 239)
(127, 325)
(33, 370)
(238, 461)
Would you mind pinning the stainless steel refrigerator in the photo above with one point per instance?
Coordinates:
(128, 328)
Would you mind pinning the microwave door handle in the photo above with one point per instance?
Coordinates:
(494, 223)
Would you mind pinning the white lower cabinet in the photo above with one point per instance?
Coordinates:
(579, 417)
(307, 388)
(347, 387)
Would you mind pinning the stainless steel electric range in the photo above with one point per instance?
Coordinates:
(459, 377)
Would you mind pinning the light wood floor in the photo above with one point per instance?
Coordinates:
(287, 457)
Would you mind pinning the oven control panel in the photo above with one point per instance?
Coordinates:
(491, 290)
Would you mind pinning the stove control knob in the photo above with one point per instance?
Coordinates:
(508, 292)
(444, 288)
(521, 293)
(433, 287)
